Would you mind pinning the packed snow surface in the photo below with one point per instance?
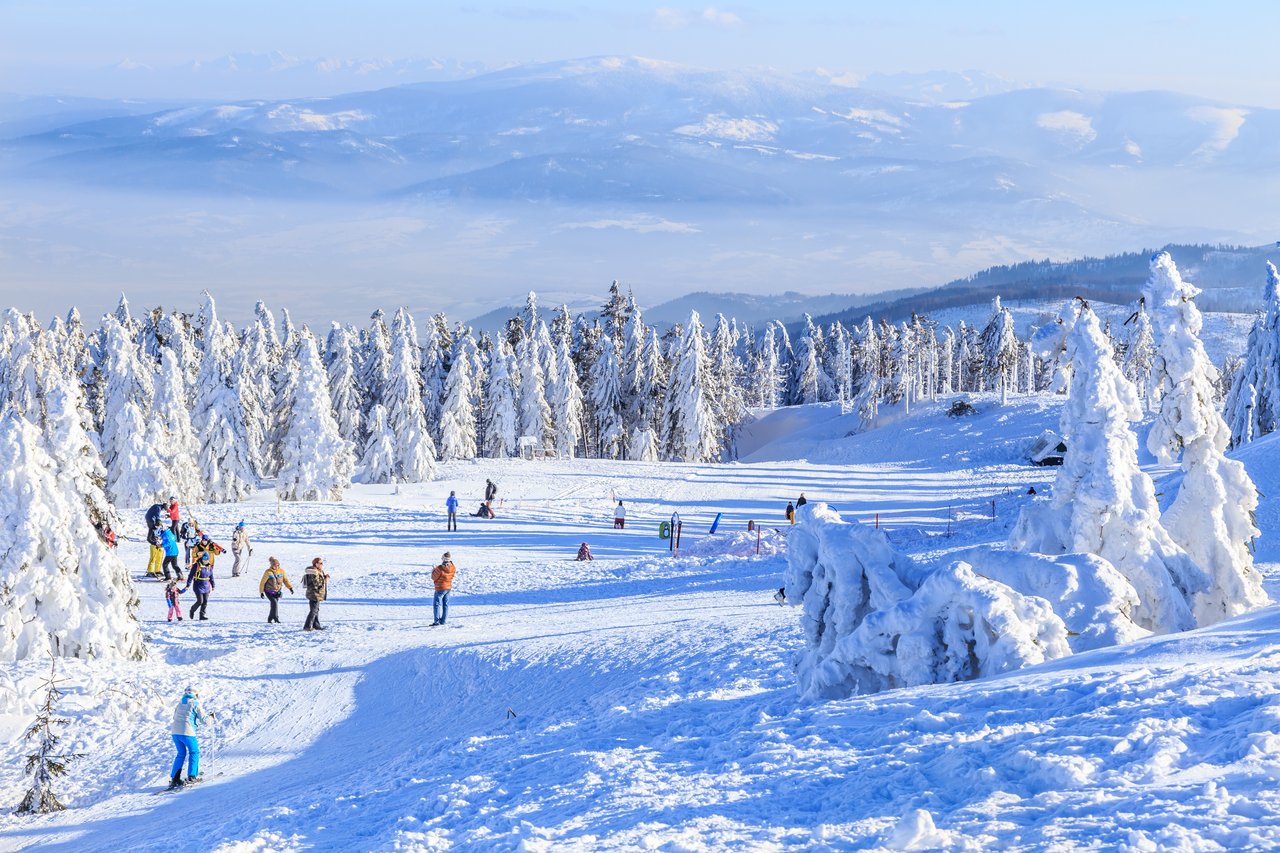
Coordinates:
(647, 700)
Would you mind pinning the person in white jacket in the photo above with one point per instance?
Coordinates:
(620, 517)
(240, 544)
(188, 716)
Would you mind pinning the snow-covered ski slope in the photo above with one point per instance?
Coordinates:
(646, 702)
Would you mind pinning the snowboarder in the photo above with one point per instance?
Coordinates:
(169, 545)
(188, 717)
(490, 490)
(802, 501)
(791, 512)
(200, 580)
(451, 505)
(442, 577)
(240, 544)
(171, 593)
(175, 514)
(315, 581)
(156, 540)
(584, 553)
(271, 587)
(619, 517)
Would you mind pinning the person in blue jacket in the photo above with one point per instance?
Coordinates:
(200, 580)
(452, 506)
(169, 544)
(188, 717)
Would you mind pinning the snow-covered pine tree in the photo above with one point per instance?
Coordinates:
(415, 449)
(227, 460)
(1253, 404)
(606, 401)
(375, 363)
(999, 348)
(1140, 354)
(946, 361)
(71, 446)
(1211, 517)
(568, 404)
(457, 415)
(728, 405)
(378, 457)
(178, 448)
(1103, 503)
(318, 462)
(691, 429)
(340, 365)
(535, 413)
(136, 472)
(502, 419)
(62, 591)
(436, 365)
(613, 315)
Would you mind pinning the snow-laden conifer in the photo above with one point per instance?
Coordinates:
(378, 456)
(402, 397)
(340, 364)
(1253, 404)
(535, 412)
(691, 430)
(74, 451)
(62, 591)
(568, 404)
(606, 401)
(178, 446)
(502, 420)
(1103, 503)
(317, 462)
(457, 414)
(1211, 516)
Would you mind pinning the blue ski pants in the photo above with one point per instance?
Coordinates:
(189, 751)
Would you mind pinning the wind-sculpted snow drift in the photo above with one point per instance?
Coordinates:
(875, 620)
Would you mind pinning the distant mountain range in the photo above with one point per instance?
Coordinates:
(677, 179)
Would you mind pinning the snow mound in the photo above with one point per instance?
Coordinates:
(1088, 594)
(873, 620)
(739, 543)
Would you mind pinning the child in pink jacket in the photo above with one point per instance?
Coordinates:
(171, 593)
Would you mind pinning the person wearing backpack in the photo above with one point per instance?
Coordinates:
(490, 490)
(240, 544)
(200, 581)
(155, 539)
(189, 535)
(315, 581)
(271, 587)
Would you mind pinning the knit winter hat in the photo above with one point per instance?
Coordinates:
(446, 555)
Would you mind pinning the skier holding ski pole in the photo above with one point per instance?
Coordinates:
(188, 717)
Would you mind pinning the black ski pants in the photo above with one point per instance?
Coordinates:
(453, 522)
(313, 618)
(274, 599)
(202, 602)
(171, 561)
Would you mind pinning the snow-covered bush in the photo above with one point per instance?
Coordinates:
(62, 590)
(874, 620)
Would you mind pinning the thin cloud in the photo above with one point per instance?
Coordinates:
(669, 18)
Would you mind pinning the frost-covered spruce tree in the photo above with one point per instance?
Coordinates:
(691, 430)
(378, 457)
(1253, 404)
(340, 364)
(1211, 516)
(318, 462)
(1103, 503)
(136, 470)
(457, 414)
(62, 591)
(227, 460)
(178, 448)
(606, 401)
(24, 355)
(535, 412)
(402, 397)
(375, 362)
(999, 346)
(80, 466)
(568, 404)
(1140, 353)
(502, 420)
(436, 365)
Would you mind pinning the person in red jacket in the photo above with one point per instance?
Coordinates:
(442, 577)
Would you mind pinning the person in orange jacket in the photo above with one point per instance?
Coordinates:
(442, 577)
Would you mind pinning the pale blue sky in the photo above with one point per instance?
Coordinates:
(1222, 50)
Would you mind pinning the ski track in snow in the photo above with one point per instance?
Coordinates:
(639, 701)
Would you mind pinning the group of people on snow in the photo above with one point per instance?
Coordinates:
(792, 507)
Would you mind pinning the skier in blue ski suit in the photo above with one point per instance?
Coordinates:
(188, 716)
